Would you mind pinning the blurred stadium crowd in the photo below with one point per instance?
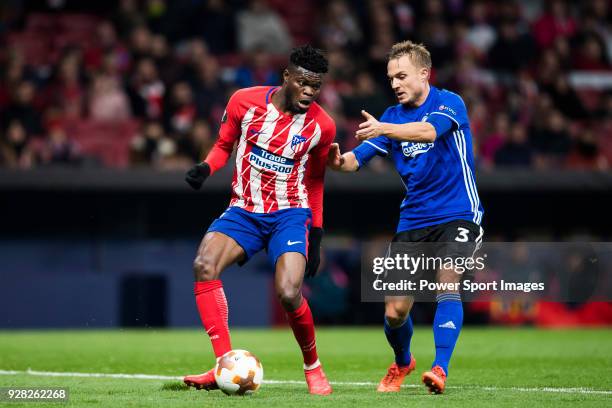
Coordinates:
(133, 83)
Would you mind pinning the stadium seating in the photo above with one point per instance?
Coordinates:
(107, 141)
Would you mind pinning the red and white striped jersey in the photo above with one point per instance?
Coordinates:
(280, 160)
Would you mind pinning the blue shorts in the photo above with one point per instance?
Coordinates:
(278, 232)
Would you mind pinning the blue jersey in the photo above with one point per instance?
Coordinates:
(439, 176)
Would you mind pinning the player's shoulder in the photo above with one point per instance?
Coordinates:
(450, 98)
(247, 98)
(252, 94)
(323, 118)
(450, 105)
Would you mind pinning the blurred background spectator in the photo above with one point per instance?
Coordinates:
(144, 84)
(261, 27)
(536, 75)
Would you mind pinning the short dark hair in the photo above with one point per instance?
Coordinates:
(309, 58)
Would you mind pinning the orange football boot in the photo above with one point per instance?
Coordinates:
(392, 381)
(317, 381)
(435, 380)
(204, 381)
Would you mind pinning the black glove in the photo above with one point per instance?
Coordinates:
(196, 176)
(314, 251)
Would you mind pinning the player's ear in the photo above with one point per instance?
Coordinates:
(424, 73)
(285, 75)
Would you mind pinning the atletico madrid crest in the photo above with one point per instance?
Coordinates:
(296, 142)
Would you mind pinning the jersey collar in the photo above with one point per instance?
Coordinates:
(270, 92)
(432, 90)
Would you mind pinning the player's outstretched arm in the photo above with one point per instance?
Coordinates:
(222, 149)
(418, 132)
(217, 158)
(313, 180)
(346, 162)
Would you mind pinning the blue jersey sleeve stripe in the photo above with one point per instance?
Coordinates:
(380, 149)
(448, 116)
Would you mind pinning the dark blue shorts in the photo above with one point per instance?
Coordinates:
(278, 232)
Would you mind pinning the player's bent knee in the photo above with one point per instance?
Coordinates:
(396, 314)
(204, 269)
(396, 320)
(288, 294)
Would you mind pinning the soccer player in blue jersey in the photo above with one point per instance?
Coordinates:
(427, 135)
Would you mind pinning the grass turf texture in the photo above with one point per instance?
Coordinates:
(496, 358)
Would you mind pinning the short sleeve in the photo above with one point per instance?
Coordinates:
(450, 114)
(229, 132)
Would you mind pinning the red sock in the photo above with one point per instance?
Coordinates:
(212, 307)
(302, 325)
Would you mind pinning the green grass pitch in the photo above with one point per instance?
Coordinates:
(490, 367)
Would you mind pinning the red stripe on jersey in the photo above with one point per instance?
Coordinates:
(286, 138)
(268, 191)
(265, 177)
(246, 179)
(281, 134)
(293, 189)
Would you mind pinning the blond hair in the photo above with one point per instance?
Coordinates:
(417, 53)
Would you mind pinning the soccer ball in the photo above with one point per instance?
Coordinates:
(238, 372)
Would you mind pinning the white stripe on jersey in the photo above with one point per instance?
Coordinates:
(280, 132)
(263, 140)
(248, 167)
(472, 183)
(295, 129)
(267, 128)
(302, 195)
(316, 136)
(277, 177)
(288, 142)
(238, 188)
(448, 116)
(463, 170)
(468, 178)
(281, 180)
(380, 149)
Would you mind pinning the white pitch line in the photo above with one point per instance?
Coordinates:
(580, 390)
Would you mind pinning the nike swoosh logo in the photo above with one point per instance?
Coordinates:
(293, 242)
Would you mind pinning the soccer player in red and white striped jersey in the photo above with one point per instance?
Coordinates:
(283, 138)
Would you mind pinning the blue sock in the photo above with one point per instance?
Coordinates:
(399, 339)
(446, 327)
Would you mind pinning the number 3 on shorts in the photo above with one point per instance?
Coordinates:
(462, 235)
